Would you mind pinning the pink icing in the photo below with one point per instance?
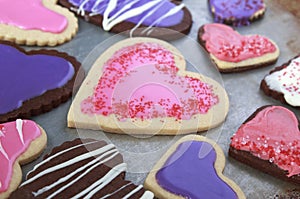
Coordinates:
(273, 135)
(141, 81)
(31, 15)
(12, 144)
(228, 45)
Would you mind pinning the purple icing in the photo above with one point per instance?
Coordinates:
(190, 172)
(240, 10)
(23, 77)
(165, 6)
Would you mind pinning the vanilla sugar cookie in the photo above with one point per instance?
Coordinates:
(36, 22)
(21, 142)
(192, 168)
(233, 52)
(140, 86)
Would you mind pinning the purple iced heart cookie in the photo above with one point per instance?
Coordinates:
(236, 12)
(160, 18)
(192, 168)
(33, 82)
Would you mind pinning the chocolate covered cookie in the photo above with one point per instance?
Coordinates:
(283, 83)
(162, 19)
(269, 140)
(36, 81)
(81, 169)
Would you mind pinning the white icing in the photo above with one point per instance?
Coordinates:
(126, 12)
(58, 154)
(147, 195)
(116, 191)
(19, 126)
(102, 182)
(133, 192)
(70, 162)
(2, 150)
(287, 81)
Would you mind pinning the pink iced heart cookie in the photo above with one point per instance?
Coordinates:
(283, 83)
(269, 140)
(140, 85)
(21, 141)
(36, 22)
(237, 12)
(232, 52)
(192, 168)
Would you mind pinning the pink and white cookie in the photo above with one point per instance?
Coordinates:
(283, 83)
(232, 52)
(36, 22)
(21, 142)
(140, 86)
(269, 140)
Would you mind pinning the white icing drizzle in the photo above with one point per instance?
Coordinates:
(133, 192)
(67, 177)
(19, 126)
(127, 12)
(102, 182)
(69, 162)
(111, 194)
(287, 81)
(2, 150)
(103, 154)
(58, 154)
(147, 195)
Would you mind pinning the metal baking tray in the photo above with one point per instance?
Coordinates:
(142, 152)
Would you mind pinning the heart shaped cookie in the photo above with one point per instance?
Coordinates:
(192, 168)
(34, 82)
(236, 12)
(162, 19)
(269, 140)
(140, 86)
(36, 22)
(21, 142)
(283, 83)
(81, 169)
(232, 52)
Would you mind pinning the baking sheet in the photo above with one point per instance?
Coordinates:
(141, 153)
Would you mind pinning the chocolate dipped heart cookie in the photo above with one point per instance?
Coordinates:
(236, 12)
(283, 83)
(140, 86)
(232, 52)
(85, 168)
(34, 82)
(162, 19)
(36, 22)
(21, 142)
(269, 140)
(192, 168)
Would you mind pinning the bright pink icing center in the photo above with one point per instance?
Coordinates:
(228, 45)
(31, 15)
(273, 135)
(12, 144)
(141, 81)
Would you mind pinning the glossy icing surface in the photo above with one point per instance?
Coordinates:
(228, 45)
(15, 137)
(160, 13)
(31, 15)
(190, 172)
(287, 81)
(273, 135)
(238, 11)
(148, 74)
(32, 76)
